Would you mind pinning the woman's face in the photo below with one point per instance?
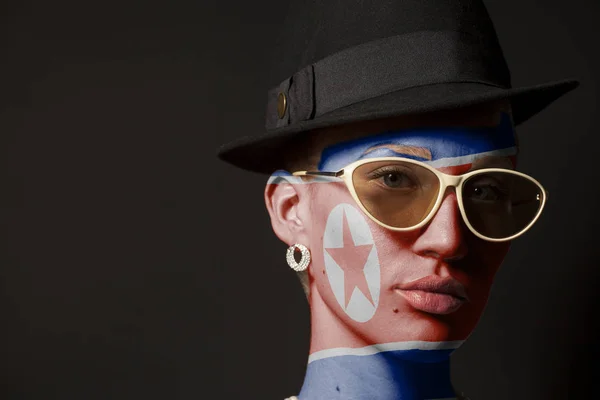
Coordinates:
(386, 286)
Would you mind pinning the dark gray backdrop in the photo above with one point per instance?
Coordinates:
(135, 265)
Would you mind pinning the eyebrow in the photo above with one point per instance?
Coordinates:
(402, 149)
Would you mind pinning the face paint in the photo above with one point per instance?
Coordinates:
(351, 262)
(349, 269)
(440, 148)
(365, 333)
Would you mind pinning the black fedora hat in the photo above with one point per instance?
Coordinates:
(341, 62)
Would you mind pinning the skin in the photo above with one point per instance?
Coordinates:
(445, 247)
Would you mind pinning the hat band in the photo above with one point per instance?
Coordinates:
(384, 66)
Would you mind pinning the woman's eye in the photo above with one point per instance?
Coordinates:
(396, 180)
(486, 193)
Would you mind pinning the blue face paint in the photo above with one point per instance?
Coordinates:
(380, 376)
(434, 145)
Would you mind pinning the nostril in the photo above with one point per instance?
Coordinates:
(457, 257)
(432, 254)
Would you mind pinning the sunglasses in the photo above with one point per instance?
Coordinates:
(402, 194)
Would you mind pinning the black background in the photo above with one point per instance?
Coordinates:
(136, 265)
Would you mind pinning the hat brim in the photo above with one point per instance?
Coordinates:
(265, 153)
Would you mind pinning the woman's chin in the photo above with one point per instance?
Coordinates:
(424, 328)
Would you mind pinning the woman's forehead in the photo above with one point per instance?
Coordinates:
(439, 146)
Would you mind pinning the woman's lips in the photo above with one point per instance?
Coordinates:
(433, 294)
(434, 303)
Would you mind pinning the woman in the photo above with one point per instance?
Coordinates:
(398, 277)
(395, 188)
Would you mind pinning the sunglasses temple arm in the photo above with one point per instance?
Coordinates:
(319, 173)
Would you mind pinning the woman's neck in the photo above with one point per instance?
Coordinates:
(344, 366)
(369, 373)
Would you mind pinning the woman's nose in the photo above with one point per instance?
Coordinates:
(443, 237)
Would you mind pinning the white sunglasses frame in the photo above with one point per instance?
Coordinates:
(445, 180)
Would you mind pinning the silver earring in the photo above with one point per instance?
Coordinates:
(304, 260)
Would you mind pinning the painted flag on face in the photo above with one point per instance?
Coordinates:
(352, 260)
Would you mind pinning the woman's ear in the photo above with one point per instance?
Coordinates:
(283, 198)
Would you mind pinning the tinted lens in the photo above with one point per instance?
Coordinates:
(501, 204)
(399, 194)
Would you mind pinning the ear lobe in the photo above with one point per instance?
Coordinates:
(283, 200)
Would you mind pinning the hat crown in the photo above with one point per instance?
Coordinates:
(344, 61)
(315, 29)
